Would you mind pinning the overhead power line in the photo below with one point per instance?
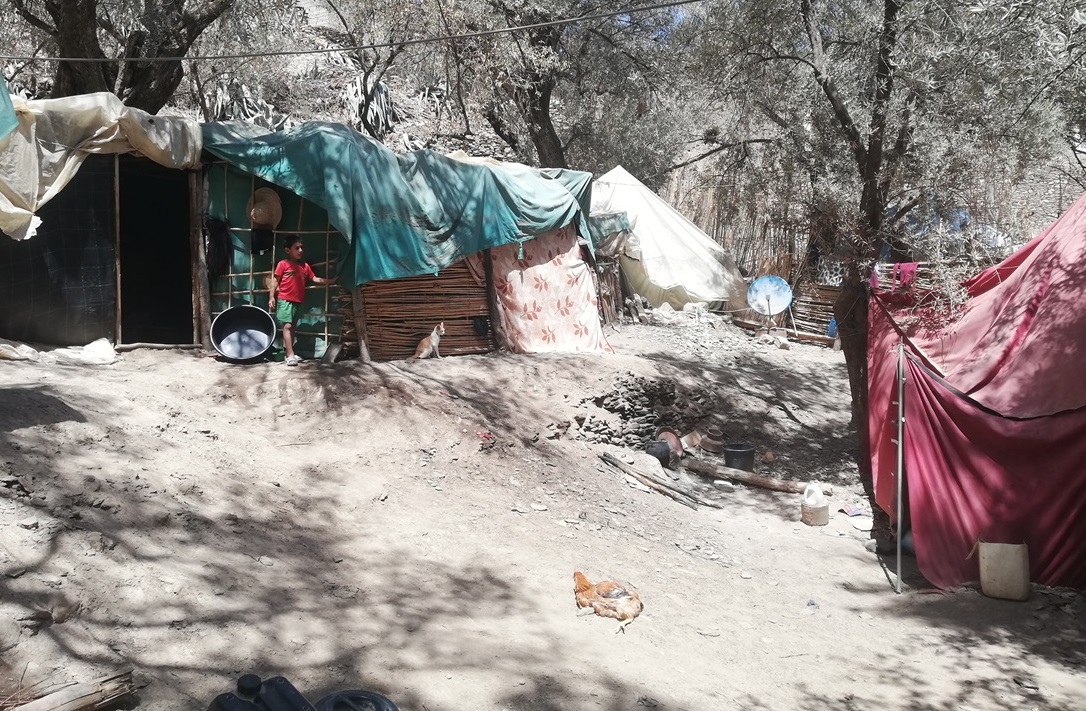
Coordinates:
(378, 45)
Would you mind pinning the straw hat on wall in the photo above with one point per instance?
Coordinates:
(264, 209)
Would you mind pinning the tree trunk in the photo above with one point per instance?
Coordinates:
(850, 312)
(153, 85)
(536, 107)
(148, 86)
(76, 36)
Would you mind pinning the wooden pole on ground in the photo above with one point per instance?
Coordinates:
(764, 482)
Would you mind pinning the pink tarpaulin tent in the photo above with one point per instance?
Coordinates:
(995, 412)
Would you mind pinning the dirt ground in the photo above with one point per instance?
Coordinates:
(413, 528)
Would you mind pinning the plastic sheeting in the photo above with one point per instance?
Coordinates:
(995, 425)
(8, 122)
(404, 214)
(1020, 344)
(610, 232)
(99, 352)
(54, 136)
(667, 258)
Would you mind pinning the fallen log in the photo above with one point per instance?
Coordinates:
(668, 489)
(84, 696)
(764, 482)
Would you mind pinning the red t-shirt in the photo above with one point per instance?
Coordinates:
(292, 279)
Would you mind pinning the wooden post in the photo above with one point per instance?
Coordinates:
(359, 309)
(492, 302)
(117, 245)
(201, 288)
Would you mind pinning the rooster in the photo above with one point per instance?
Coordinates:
(608, 599)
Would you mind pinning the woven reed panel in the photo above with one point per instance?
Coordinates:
(401, 312)
(812, 307)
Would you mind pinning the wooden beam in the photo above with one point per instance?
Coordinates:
(684, 496)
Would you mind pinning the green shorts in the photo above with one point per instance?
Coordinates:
(287, 311)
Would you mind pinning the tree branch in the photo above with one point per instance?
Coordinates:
(905, 209)
(714, 151)
(501, 128)
(636, 62)
(829, 87)
(1044, 87)
(32, 19)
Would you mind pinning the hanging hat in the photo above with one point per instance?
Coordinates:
(264, 209)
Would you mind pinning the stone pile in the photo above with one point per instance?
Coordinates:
(641, 406)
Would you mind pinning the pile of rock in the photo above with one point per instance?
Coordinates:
(641, 406)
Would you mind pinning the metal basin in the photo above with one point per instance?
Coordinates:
(243, 334)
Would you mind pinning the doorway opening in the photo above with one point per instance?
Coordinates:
(155, 257)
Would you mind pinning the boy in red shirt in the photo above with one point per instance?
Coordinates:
(289, 289)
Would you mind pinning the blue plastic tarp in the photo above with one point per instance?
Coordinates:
(404, 214)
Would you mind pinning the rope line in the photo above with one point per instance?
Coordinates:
(378, 45)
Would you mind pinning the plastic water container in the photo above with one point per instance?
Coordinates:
(831, 329)
(815, 510)
(1004, 570)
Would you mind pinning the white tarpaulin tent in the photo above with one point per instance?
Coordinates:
(666, 257)
(40, 156)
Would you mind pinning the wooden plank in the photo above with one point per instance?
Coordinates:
(158, 346)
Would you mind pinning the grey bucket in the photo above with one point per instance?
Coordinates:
(739, 455)
(243, 334)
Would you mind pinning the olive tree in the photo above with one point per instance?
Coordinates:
(110, 31)
(884, 105)
(559, 94)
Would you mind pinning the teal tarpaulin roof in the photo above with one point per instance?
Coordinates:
(603, 224)
(404, 214)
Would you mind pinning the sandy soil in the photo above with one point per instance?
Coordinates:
(410, 528)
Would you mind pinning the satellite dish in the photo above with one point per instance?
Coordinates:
(769, 295)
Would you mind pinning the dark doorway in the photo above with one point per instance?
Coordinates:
(156, 266)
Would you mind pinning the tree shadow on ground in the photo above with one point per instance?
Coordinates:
(759, 401)
(192, 584)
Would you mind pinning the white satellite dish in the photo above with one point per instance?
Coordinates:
(769, 295)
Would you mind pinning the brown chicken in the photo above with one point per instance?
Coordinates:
(608, 599)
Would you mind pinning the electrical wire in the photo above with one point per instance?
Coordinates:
(378, 45)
